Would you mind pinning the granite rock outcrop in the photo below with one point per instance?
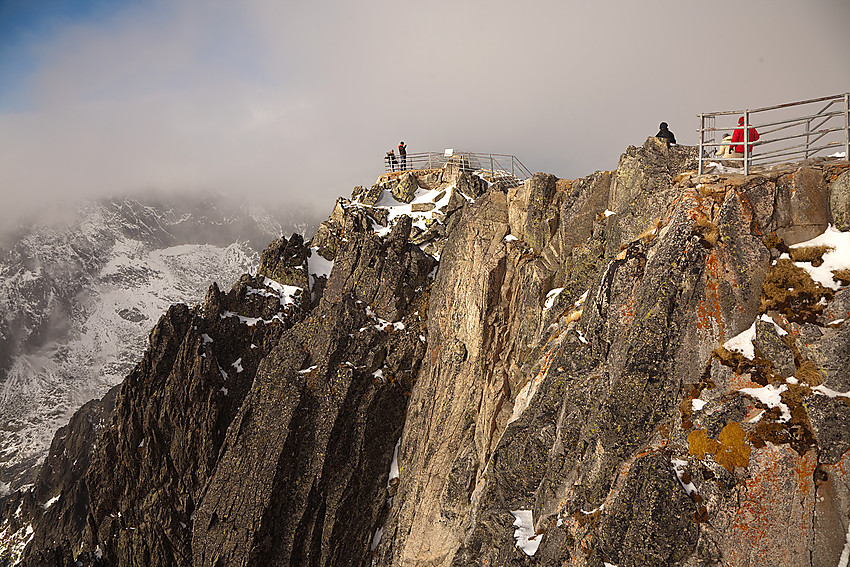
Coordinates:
(633, 368)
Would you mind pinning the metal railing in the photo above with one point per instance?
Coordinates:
(494, 167)
(788, 132)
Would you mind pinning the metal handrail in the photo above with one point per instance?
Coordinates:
(812, 125)
(822, 133)
(797, 121)
(772, 158)
(792, 151)
(776, 107)
(504, 167)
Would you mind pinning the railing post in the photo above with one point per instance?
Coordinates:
(746, 142)
(847, 126)
(808, 130)
(701, 130)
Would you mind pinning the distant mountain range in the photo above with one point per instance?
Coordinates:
(80, 290)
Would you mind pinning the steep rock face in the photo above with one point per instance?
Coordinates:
(637, 360)
(151, 462)
(59, 498)
(459, 400)
(632, 439)
(285, 261)
(492, 303)
(303, 472)
(80, 289)
(839, 201)
(643, 186)
(237, 403)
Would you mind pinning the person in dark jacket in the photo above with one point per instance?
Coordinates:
(402, 155)
(391, 162)
(666, 134)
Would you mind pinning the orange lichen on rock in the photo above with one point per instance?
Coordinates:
(771, 509)
(627, 312)
(740, 381)
(729, 450)
(735, 451)
(708, 309)
(805, 472)
(699, 444)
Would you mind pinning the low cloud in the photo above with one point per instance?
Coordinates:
(298, 102)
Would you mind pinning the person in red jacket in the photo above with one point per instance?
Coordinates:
(737, 137)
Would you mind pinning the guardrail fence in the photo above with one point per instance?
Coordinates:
(787, 132)
(494, 167)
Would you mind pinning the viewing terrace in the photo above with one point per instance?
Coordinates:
(507, 169)
(787, 132)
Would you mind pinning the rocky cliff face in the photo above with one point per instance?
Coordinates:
(80, 289)
(629, 425)
(640, 367)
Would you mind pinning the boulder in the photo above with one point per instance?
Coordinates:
(808, 205)
(405, 190)
(839, 201)
(532, 211)
(771, 346)
(285, 261)
(367, 196)
(471, 185)
(830, 354)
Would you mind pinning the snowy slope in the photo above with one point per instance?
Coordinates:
(78, 299)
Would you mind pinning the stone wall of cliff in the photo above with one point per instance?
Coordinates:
(635, 360)
(620, 420)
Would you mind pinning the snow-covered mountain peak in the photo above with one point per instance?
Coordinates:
(80, 290)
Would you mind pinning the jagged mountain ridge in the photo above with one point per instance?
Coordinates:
(628, 363)
(80, 290)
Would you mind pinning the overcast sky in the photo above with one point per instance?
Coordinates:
(297, 102)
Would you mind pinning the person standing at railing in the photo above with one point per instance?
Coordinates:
(402, 155)
(725, 149)
(391, 162)
(737, 137)
(665, 134)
